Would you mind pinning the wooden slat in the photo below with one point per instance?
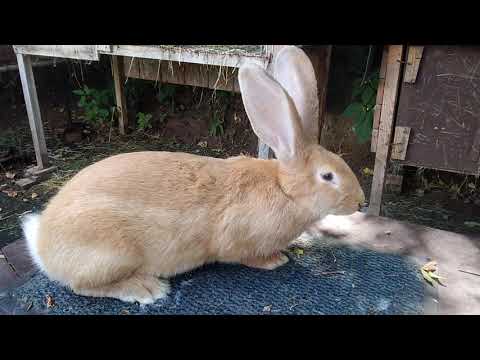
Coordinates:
(194, 57)
(414, 56)
(320, 58)
(385, 131)
(183, 74)
(378, 104)
(80, 52)
(400, 143)
(119, 80)
(394, 182)
(33, 109)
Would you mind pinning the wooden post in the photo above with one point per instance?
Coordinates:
(119, 80)
(385, 131)
(320, 58)
(33, 109)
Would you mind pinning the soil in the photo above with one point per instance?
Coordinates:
(184, 124)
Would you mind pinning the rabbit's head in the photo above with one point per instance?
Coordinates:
(284, 113)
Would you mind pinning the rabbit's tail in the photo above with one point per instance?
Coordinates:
(30, 226)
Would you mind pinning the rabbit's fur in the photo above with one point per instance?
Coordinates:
(124, 222)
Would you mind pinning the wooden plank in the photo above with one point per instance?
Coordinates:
(400, 142)
(80, 52)
(33, 109)
(320, 58)
(385, 131)
(414, 56)
(194, 57)
(183, 74)
(119, 81)
(104, 48)
(378, 103)
(394, 182)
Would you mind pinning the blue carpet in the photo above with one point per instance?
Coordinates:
(372, 283)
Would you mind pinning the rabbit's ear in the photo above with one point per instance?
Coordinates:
(271, 111)
(294, 71)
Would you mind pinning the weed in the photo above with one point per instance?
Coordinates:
(361, 110)
(97, 104)
(144, 121)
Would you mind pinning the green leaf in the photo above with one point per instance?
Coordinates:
(427, 277)
(354, 110)
(363, 127)
(78, 92)
(367, 95)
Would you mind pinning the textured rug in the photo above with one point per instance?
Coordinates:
(320, 279)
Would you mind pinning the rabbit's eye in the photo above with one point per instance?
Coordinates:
(327, 176)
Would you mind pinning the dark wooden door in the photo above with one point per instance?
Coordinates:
(442, 108)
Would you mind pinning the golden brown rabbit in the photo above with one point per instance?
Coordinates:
(124, 225)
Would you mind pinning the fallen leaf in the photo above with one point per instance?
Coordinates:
(427, 277)
(429, 273)
(25, 200)
(435, 276)
(10, 175)
(202, 144)
(267, 308)
(297, 251)
(50, 302)
(471, 185)
(10, 193)
(388, 232)
(34, 195)
(367, 172)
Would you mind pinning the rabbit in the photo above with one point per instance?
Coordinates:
(123, 226)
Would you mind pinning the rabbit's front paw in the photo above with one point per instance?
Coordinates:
(267, 263)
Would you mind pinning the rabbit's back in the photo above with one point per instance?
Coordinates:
(152, 206)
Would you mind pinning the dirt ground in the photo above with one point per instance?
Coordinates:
(183, 124)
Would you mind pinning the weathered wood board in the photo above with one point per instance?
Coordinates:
(172, 72)
(79, 52)
(442, 108)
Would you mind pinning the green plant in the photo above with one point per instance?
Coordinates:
(361, 110)
(165, 93)
(216, 125)
(144, 121)
(97, 104)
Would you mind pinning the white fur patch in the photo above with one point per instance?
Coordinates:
(30, 226)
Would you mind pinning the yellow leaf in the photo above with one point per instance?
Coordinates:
(427, 277)
(367, 172)
(297, 251)
(435, 276)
